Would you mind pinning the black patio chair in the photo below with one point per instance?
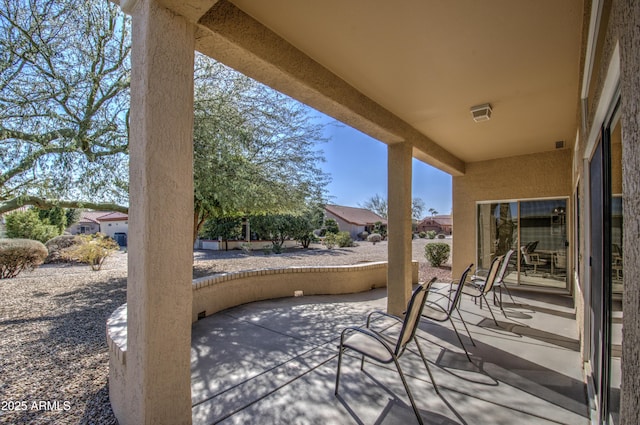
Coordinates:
(384, 349)
(434, 311)
(480, 292)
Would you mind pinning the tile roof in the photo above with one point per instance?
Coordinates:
(98, 216)
(443, 220)
(113, 216)
(358, 216)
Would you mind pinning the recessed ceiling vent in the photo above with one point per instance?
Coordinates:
(560, 144)
(481, 112)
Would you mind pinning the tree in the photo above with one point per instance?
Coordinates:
(380, 206)
(254, 149)
(433, 212)
(417, 208)
(64, 101)
(377, 204)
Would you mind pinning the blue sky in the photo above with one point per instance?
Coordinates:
(357, 164)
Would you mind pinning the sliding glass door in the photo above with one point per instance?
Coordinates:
(535, 229)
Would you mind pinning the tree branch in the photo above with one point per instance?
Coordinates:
(44, 203)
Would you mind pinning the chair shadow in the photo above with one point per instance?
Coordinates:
(537, 334)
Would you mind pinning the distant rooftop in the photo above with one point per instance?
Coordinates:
(353, 215)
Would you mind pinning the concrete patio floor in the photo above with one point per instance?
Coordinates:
(274, 362)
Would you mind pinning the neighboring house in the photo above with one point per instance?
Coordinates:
(112, 224)
(438, 223)
(353, 220)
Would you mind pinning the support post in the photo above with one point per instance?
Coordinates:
(399, 230)
(159, 293)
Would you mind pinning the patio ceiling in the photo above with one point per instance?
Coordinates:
(424, 64)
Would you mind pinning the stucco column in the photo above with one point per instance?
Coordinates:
(159, 290)
(399, 231)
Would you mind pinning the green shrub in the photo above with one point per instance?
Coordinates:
(17, 255)
(93, 250)
(58, 246)
(331, 240)
(344, 240)
(437, 253)
(27, 225)
(374, 238)
(422, 235)
(431, 234)
(331, 225)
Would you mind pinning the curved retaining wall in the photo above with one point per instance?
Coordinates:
(219, 292)
(215, 293)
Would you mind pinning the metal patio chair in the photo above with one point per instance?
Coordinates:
(384, 349)
(434, 311)
(479, 281)
(480, 292)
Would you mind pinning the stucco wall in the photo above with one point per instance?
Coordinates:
(216, 293)
(541, 175)
(627, 15)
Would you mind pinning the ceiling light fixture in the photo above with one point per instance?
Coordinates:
(481, 112)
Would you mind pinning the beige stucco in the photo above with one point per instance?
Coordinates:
(399, 227)
(543, 175)
(157, 375)
(216, 293)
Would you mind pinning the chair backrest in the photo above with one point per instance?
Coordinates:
(505, 264)
(412, 317)
(458, 293)
(525, 255)
(493, 274)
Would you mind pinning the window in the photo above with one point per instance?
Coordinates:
(535, 229)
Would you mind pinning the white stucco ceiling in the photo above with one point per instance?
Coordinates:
(429, 61)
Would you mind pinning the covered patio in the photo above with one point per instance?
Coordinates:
(275, 362)
(560, 85)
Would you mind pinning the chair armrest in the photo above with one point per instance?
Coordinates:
(382, 313)
(367, 332)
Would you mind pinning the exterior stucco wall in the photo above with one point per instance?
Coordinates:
(627, 17)
(216, 293)
(541, 175)
(110, 228)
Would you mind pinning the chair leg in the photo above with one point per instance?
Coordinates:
(406, 387)
(341, 350)
(424, 360)
(459, 339)
(490, 311)
(509, 292)
(465, 326)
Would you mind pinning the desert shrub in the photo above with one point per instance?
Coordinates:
(422, 235)
(93, 250)
(276, 247)
(344, 239)
(380, 229)
(363, 235)
(58, 246)
(331, 240)
(331, 225)
(437, 253)
(27, 225)
(374, 238)
(17, 255)
(431, 234)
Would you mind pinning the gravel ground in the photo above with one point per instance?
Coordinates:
(53, 352)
